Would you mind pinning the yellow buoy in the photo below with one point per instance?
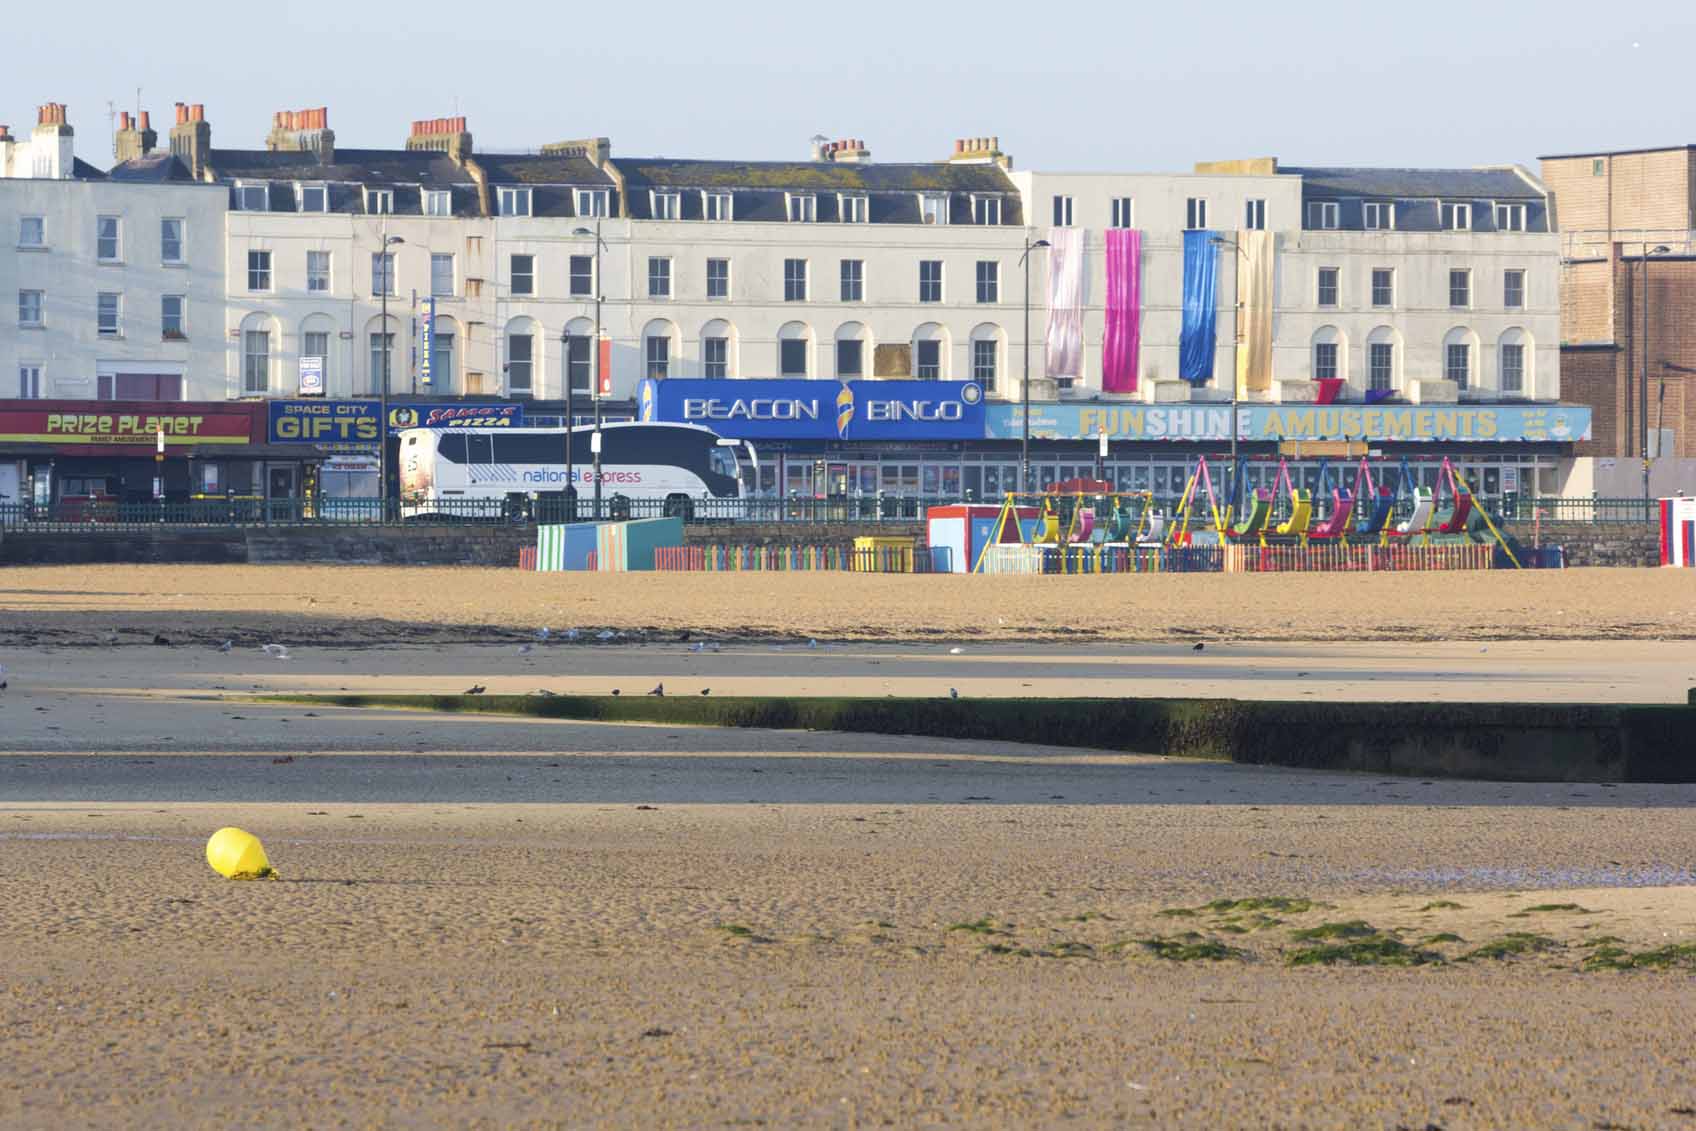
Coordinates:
(237, 854)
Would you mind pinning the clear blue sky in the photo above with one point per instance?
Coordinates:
(1083, 86)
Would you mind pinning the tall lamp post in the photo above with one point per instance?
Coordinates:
(1236, 344)
(383, 392)
(595, 436)
(570, 414)
(1643, 380)
(1025, 396)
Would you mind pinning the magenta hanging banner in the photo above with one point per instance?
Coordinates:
(1123, 338)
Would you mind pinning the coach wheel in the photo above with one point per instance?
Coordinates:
(679, 506)
(619, 508)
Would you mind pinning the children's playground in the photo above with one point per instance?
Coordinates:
(1358, 517)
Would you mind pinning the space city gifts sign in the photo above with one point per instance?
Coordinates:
(83, 423)
(826, 410)
(1479, 423)
(323, 422)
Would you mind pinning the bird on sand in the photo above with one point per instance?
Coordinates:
(615, 692)
(1198, 647)
(705, 691)
(659, 689)
(953, 693)
(475, 689)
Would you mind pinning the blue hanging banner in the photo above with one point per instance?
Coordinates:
(1201, 282)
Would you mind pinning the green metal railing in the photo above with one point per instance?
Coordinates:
(853, 511)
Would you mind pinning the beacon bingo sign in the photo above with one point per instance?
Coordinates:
(819, 410)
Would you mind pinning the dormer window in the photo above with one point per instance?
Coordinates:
(715, 205)
(252, 197)
(933, 208)
(803, 207)
(986, 210)
(1456, 217)
(514, 201)
(666, 205)
(853, 208)
(1322, 215)
(379, 202)
(312, 198)
(591, 202)
(1510, 217)
(438, 202)
(1378, 216)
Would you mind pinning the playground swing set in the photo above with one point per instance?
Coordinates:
(1086, 519)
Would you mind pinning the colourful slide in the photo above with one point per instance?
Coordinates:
(1301, 513)
(1342, 508)
(1373, 520)
(1255, 525)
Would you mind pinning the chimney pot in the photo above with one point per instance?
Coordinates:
(146, 120)
(197, 112)
(182, 113)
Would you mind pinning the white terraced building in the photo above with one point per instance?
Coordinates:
(1419, 288)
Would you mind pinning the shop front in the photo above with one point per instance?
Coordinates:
(67, 456)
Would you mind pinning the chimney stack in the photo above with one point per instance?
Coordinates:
(191, 139)
(135, 138)
(595, 150)
(303, 131)
(847, 151)
(53, 143)
(979, 151)
(442, 135)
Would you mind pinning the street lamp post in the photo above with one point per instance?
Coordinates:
(383, 392)
(600, 295)
(570, 416)
(1025, 397)
(1643, 379)
(1236, 344)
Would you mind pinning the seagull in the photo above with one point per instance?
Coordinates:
(227, 646)
(953, 693)
(475, 689)
(615, 692)
(659, 689)
(1198, 647)
(276, 651)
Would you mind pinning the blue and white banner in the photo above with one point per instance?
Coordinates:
(1561, 423)
(822, 410)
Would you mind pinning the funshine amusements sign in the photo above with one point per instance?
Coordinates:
(1523, 422)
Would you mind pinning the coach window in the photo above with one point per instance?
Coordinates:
(477, 448)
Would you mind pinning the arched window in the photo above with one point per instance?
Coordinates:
(318, 340)
(1514, 363)
(795, 350)
(989, 347)
(930, 352)
(853, 351)
(1383, 359)
(522, 357)
(718, 349)
(258, 353)
(580, 356)
(1330, 354)
(659, 349)
(1460, 358)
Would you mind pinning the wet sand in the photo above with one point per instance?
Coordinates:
(518, 923)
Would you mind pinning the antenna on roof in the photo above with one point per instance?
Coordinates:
(112, 124)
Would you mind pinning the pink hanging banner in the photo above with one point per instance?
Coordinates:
(1123, 338)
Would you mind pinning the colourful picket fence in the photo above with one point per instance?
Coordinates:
(791, 559)
(1106, 558)
(1336, 558)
